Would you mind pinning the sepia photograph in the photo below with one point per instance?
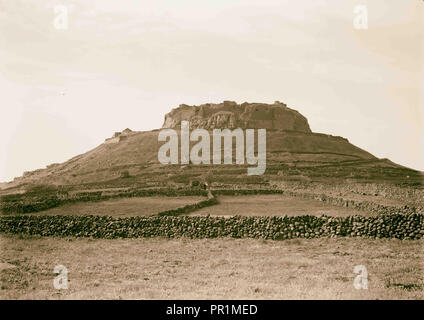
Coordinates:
(238, 150)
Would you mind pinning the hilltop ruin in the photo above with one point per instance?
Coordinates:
(231, 115)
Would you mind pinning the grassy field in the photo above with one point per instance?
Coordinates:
(273, 205)
(123, 207)
(247, 205)
(158, 268)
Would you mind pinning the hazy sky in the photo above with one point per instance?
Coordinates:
(126, 63)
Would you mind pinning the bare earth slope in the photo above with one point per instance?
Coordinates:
(292, 150)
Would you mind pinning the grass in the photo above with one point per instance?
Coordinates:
(122, 207)
(159, 268)
(248, 205)
(274, 205)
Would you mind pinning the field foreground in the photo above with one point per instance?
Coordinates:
(157, 268)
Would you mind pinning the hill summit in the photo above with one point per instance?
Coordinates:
(229, 114)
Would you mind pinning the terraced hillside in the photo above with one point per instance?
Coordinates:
(290, 155)
(130, 159)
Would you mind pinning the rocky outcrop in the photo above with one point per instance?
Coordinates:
(119, 136)
(231, 115)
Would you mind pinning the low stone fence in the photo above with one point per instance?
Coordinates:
(277, 228)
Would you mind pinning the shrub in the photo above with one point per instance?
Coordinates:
(195, 183)
(125, 174)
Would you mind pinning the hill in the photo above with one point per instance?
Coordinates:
(130, 158)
